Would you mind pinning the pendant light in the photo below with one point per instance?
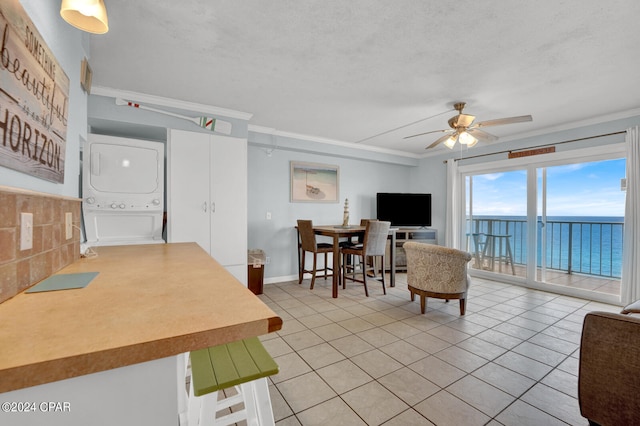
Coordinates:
(87, 15)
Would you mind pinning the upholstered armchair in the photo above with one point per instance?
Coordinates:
(609, 374)
(437, 271)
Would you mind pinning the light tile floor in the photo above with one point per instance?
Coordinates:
(511, 360)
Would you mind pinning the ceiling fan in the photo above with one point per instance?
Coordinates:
(463, 129)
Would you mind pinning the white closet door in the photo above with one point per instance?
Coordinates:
(188, 180)
(229, 197)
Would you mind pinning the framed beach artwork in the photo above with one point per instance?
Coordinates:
(314, 183)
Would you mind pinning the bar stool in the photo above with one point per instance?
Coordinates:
(309, 244)
(478, 248)
(244, 365)
(489, 252)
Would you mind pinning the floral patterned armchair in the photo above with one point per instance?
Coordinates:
(437, 271)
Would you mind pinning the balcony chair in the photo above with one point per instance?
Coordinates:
(373, 245)
(309, 244)
(437, 271)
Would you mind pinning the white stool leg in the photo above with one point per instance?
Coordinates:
(208, 409)
(194, 403)
(250, 403)
(183, 397)
(263, 402)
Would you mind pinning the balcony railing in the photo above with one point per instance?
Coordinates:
(575, 246)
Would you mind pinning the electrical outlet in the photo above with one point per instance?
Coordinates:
(268, 215)
(68, 225)
(26, 231)
(267, 260)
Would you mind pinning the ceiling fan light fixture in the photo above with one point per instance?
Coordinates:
(451, 141)
(467, 139)
(463, 130)
(87, 15)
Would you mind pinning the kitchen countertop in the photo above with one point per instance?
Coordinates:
(147, 302)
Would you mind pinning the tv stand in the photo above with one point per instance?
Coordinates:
(419, 235)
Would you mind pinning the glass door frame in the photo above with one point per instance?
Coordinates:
(531, 166)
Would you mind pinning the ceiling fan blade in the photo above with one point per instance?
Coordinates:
(480, 134)
(426, 133)
(503, 121)
(464, 120)
(438, 141)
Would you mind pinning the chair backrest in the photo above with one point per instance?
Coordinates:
(307, 236)
(375, 237)
(436, 268)
(364, 222)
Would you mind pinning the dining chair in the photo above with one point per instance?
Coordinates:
(364, 222)
(373, 245)
(360, 240)
(309, 244)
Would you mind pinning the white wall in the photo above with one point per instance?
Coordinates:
(363, 173)
(269, 191)
(70, 46)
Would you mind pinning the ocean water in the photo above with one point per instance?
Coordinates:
(581, 244)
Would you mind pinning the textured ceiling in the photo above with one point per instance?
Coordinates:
(351, 70)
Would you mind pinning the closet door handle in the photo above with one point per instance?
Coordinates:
(204, 206)
(213, 207)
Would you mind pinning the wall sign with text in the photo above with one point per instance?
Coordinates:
(34, 99)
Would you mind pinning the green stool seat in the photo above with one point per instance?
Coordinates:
(223, 366)
(245, 365)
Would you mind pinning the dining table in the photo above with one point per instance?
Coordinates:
(338, 232)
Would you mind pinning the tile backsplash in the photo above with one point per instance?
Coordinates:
(51, 251)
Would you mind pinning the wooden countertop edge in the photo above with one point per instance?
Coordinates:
(275, 324)
(66, 368)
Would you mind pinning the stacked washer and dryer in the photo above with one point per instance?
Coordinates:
(122, 191)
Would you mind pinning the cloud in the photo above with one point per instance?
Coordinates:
(489, 176)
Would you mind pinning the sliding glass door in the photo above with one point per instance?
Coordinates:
(553, 222)
(581, 218)
(496, 222)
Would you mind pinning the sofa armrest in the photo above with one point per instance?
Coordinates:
(633, 308)
(609, 374)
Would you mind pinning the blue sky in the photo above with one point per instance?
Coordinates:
(584, 189)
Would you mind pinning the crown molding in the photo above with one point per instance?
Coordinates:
(576, 124)
(318, 139)
(143, 98)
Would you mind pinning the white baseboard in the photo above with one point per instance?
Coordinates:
(282, 279)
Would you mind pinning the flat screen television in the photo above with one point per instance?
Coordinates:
(404, 209)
